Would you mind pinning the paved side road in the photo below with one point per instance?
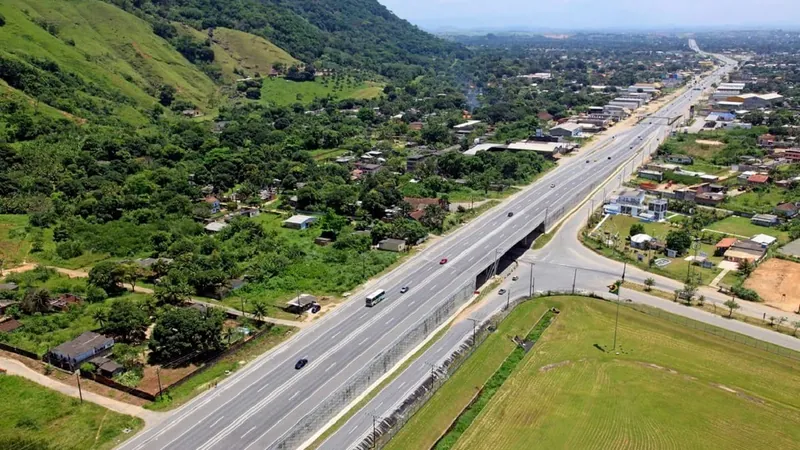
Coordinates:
(14, 367)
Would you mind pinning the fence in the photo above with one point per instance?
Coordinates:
(386, 428)
(389, 426)
(19, 351)
(380, 365)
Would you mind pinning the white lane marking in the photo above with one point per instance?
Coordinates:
(216, 422)
(262, 388)
(471, 259)
(352, 429)
(401, 385)
(248, 432)
(388, 322)
(337, 333)
(294, 395)
(330, 367)
(364, 341)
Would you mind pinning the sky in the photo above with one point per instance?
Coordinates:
(596, 14)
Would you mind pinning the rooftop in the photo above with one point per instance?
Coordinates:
(726, 242)
(299, 219)
(87, 341)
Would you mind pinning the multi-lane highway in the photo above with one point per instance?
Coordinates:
(260, 406)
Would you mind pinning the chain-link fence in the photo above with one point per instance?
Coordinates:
(387, 427)
(379, 366)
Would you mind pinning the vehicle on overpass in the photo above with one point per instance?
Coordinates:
(303, 303)
(376, 297)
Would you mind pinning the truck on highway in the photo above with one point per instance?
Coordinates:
(376, 297)
(303, 303)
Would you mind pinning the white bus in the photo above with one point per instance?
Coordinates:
(376, 297)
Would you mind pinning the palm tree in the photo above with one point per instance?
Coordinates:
(36, 300)
(731, 304)
(259, 309)
(649, 282)
(228, 334)
(100, 317)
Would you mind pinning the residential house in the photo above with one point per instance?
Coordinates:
(215, 227)
(146, 263)
(8, 325)
(9, 287)
(651, 175)
(466, 127)
(656, 210)
(786, 210)
(569, 129)
(709, 198)
(745, 250)
(64, 301)
(71, 354)
(213, 203)
(369, 168)
(791, 154)
(630, 202)
(641, 241)
(766, 141)
(764, 239)
(5, 304)
(107, 367)
(724, 245)
(759, 179)
(680, 159)
(413, 161)
(299, 222)
(544, 116)
(765, 220)
(392, 245)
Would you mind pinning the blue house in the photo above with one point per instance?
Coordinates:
(70, 355)
(213, 203)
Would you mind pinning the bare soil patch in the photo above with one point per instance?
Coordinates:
(777, 282)
(706, 142)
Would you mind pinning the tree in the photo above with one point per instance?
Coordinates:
(172, 291)
(679, 240)
(796, 325)
(107, 276)
(167, 95)
(649, 282)
(636, 228)
(131, 273)
(689, 290)
(259, 309)
(433, 217)
(333, 223)
(95, 294)
(180, 332)
(731, 305)
(126, 320)
(99, 315)
(746, 267)
(36, 300)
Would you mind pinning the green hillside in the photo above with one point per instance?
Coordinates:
(284, 92)
(91, 59)
(252, 54)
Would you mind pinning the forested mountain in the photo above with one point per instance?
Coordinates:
(349, 33)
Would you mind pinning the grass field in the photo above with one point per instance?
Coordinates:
(13, 243)
(761, 202)
(113, 48)
(38, 418)
(427, 425)
(284, 92)
(669, 387)
(743, 227)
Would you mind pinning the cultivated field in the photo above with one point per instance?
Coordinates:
(669, 387)
(778, 283)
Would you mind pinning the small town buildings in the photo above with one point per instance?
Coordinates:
(758, 179)
(641, 241)
(466, 127)
(651, 175)
(630, 202)
(413, 161)
(656, 210)
(765, 220)
(299, 222)
(71, 354)
(723, 245)
(680, 159)
(392, 245)
(215, 227)
(213, 203)
(5, 304)
(764, 239)
(766, 141)
(568, 129)
(8, 325)
(64, 301)
(745, 250)
(107, 367)
(786, 210)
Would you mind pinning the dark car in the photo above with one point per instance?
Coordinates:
(510, 213)
(300, 363)
(443, 261)
(552, 186)
(609, 157)
(501, 292)
(404, 289)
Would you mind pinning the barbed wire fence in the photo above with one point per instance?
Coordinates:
(380, 365)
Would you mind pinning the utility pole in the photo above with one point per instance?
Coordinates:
(530, 285)
(574, 278)
(508, 298)
(375, 430)
(474, 325)
(433, 373)
(158, 375)
(624, 269)
(616, 322)
(80, 391)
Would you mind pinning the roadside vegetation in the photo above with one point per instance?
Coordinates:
(34, 417)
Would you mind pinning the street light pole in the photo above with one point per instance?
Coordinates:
(78, 377)
(624, 269)
(474, 325)
(508, 298)
(574, 278)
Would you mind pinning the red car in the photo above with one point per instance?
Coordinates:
(443, 261)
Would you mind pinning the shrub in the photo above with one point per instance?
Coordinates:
(745, 294)
(69, 249)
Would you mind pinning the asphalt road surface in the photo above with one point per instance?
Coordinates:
(259, 406)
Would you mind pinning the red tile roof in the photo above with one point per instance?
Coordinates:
(726, 242)
(786, 207)
(758, 178)
(416, 215)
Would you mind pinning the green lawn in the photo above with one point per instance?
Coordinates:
(281, 92)
(429, 423)
(667, 387)
(14, 245)
(35, 417)
(743, 227)
(759, 202)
